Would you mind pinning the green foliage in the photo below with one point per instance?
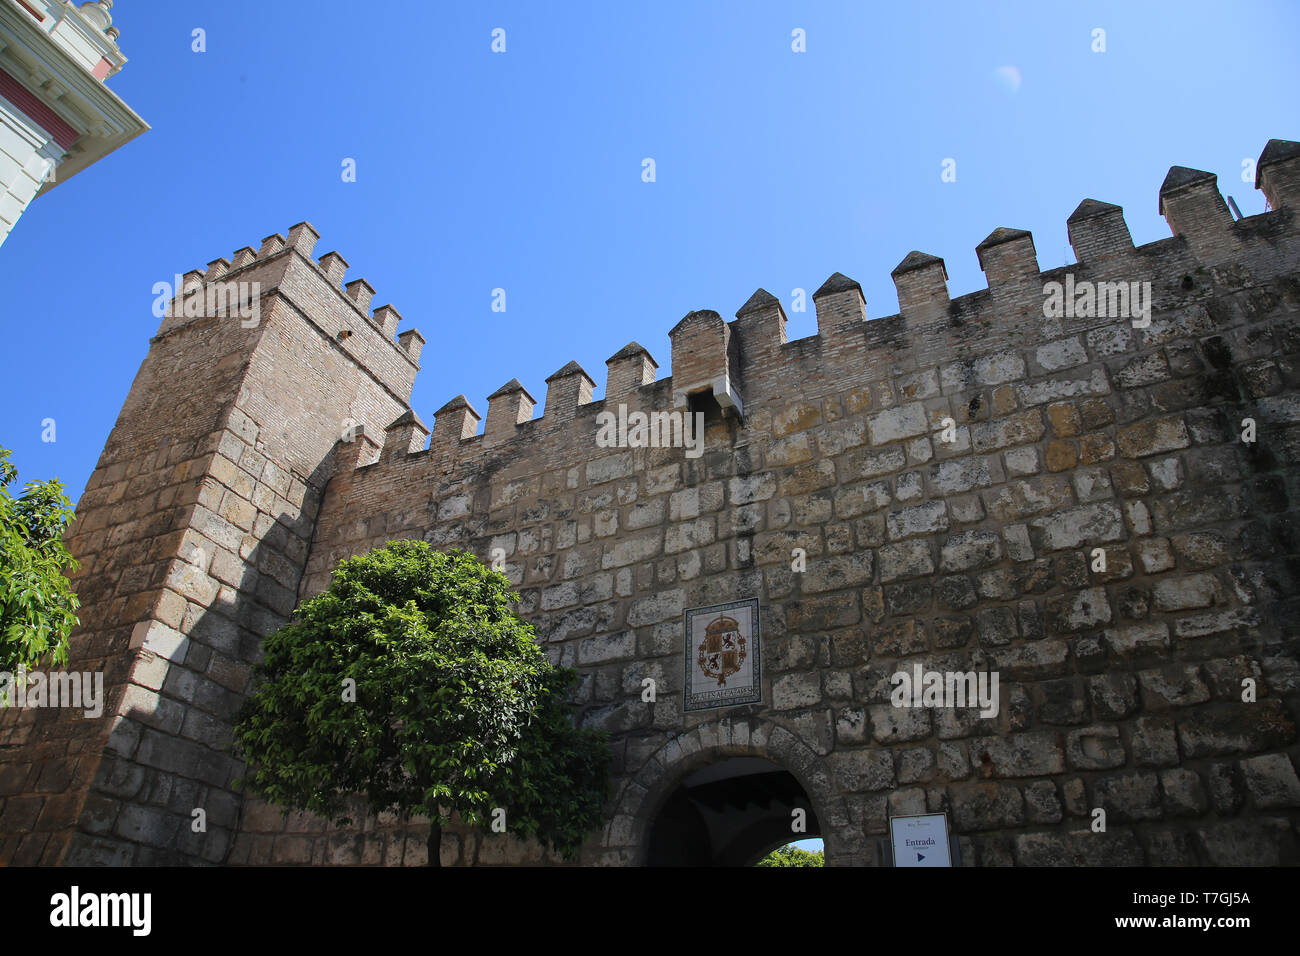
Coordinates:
(791, 855)
(456, 708)
(37, 603)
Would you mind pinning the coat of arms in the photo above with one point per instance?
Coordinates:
(722, 655)
(722, 651)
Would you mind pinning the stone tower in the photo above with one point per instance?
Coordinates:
(192, 535)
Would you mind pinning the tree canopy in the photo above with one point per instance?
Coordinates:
(412, 684)
(37, 604)
(791, 855)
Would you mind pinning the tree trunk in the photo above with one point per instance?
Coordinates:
(435, 843)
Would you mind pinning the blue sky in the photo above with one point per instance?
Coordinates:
(522, 170)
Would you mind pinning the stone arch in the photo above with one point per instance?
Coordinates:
(625, 838)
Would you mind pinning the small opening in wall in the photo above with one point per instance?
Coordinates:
(1187, 283)
(344, 334)
(704, 402)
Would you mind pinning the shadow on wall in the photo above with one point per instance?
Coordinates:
(163, 793)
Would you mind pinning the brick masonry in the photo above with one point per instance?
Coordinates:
(248, 462)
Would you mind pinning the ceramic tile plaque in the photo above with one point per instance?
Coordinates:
(722, 656)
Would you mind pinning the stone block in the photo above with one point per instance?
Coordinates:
(1272, 782)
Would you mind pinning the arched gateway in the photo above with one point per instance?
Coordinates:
(762, 770)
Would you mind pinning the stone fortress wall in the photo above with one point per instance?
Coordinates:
(948, 472)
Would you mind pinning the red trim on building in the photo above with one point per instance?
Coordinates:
(26, 100)
(40, 17)
(101, 69)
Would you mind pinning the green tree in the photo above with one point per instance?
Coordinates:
(411, 683)
(37, 604)
(791, 855)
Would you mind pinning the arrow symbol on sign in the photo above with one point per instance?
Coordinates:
(920, 857)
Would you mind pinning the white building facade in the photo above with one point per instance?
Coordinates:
(57, 116)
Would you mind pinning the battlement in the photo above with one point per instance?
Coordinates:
(249, 265)
(747, 361)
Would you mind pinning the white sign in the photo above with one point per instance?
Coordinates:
(920, 840)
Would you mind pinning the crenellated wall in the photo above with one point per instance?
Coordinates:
(948, 472)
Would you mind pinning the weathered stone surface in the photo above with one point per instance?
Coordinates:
(1129, 797)
(851, 726)
(1087, 525)
(1138, 640)
(1017, 429)
(898, 639)
(1032, 661)
(833, 574)
(1260, 842)
(612, 647)
(987, 370)
(865, 770)
(1272, 781)
(1094, 748)
(1019, 547)
(915, 765)
(905, 559)
(894, 424)
(1183, 794)
(1072, 385)
(793, 691)
(1020, 755)
(741, 491)
(963, 474)
(890, 724)
(1174, 685)
(1234, 729)
(1079, 611)
(864, 464)
(970, 549)
(1042, 804)
(1153, 743)
(1184, 594)
(1217, 622)
(997, 626)
(1079, 848)
(1062, 702)
(986, 806)
(667, 604)
(1021, 499)
(860, 499)
(928, 518)
(1113, 696)
(1063, 353)
(1153, 438)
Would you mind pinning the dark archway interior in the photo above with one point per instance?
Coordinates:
(729, 813)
